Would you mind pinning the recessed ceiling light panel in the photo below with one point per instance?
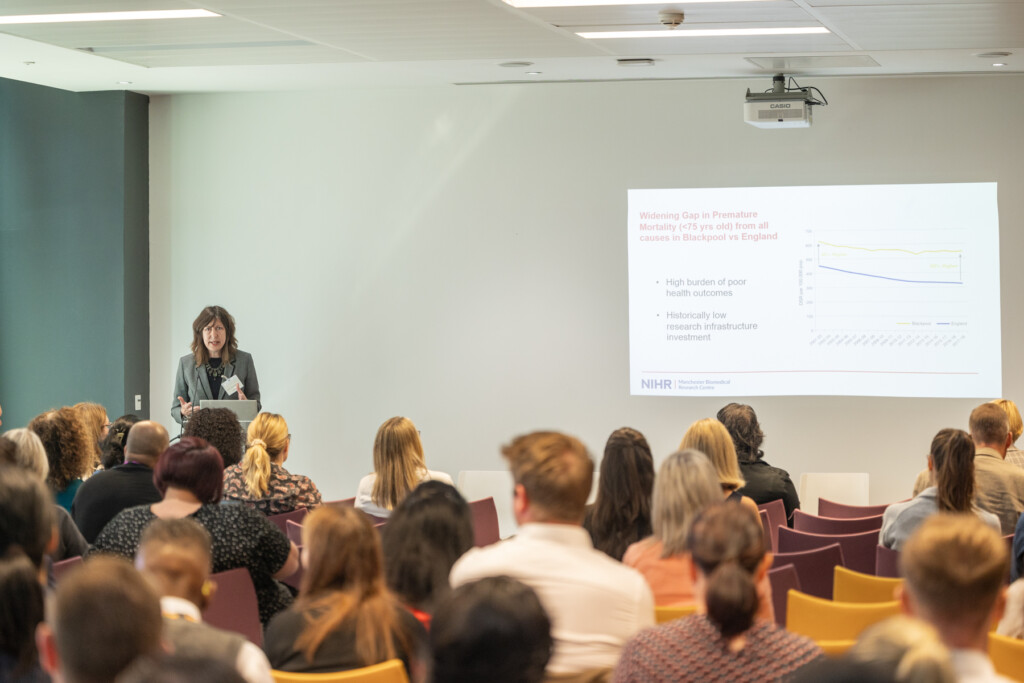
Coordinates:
(705, 33)
(106, 16)
(600, 3)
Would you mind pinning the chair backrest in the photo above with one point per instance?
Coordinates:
(234, 606)
(824, 620)
(663, 614)
(485, 522)
(61, 569)
(343, 503)
(1007, 655)
(851, 586)
(294, 531)
(782, 580)
(281, 520)
(776, 510)
(846, 487)
(295, 580)
(766, 530)
(496, 484)
(814, 568)
(887, 562)
(391, 671)
(858, 549)
(828, 525)
(830, 508)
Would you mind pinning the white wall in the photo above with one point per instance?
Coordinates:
(458, 255)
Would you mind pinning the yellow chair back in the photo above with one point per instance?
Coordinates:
(851, 586)
(663, 614)
(835, 648)
(391, 671)
(827, 620)
(1007, 655)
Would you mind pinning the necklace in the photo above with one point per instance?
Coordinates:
(217, 372)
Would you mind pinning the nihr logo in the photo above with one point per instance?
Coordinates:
(655, 384)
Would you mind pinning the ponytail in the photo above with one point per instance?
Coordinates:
(953, 461)
(268, 437)
(256, 468)
(731, 598)
(727, 546)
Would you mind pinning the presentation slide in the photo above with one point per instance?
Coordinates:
(862, 290)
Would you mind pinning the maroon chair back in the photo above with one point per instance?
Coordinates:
(829, 525)
(781, 579)
(766, 528)
(61, 569)
(887, 562)
(295, 580)
(343, 503)
(281, 520)
(776, 510)
(815, 569)
(829, 508)
(485, 522)
(294, 531)
(858, 549)
(234, 606)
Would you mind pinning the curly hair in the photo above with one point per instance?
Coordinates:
(112, 446)
(67, 443)
(221, 429)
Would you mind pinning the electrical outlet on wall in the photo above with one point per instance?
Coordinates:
(138, 401)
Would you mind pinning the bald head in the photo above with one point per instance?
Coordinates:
(146, 441)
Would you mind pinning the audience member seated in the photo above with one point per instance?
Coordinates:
(97, 425)
(723, 641)
(595, 603)
(999, 486)
(122, 486)
(175, 555)
(260, 480)
(621, 514)
(492, 630)
(102, 617)
(69, 451)
(1012, 623)
(26, 533)
(345, 617)
(423, 538)
(221, 429)
(953, 568)
(112, 446)
(686, 485)
(398, 468)
(29, 454)
(908, 649)
(190, 477)
(952, 460)
(764, 483)
(710, 437)
(1014, 455)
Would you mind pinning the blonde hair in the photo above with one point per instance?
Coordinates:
(397, 460)
(556, 472)
(954, 566)
(28, 451)
(267, 437)
(686, 484)
(910, 649)
(94, 417)
(1013, 415)
(710, 437)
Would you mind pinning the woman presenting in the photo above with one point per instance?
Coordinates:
(215, 369)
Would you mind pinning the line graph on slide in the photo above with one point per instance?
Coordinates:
(889, 282)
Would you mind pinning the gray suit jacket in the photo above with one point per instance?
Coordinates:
(192, 384)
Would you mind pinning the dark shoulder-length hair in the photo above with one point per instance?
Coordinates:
(112, 446)
(952, 454)
(194, 465)
(741, 422)
(68, 449)
(423, 538)
(621, 514)
(205, 317)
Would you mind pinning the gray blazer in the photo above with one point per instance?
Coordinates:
(192, 384)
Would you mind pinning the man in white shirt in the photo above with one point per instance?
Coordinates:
(595, 603)
(954, 567)
(174, 554)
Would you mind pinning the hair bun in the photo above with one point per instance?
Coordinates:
(258, 442)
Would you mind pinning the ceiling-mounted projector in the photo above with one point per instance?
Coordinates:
(782, 106)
